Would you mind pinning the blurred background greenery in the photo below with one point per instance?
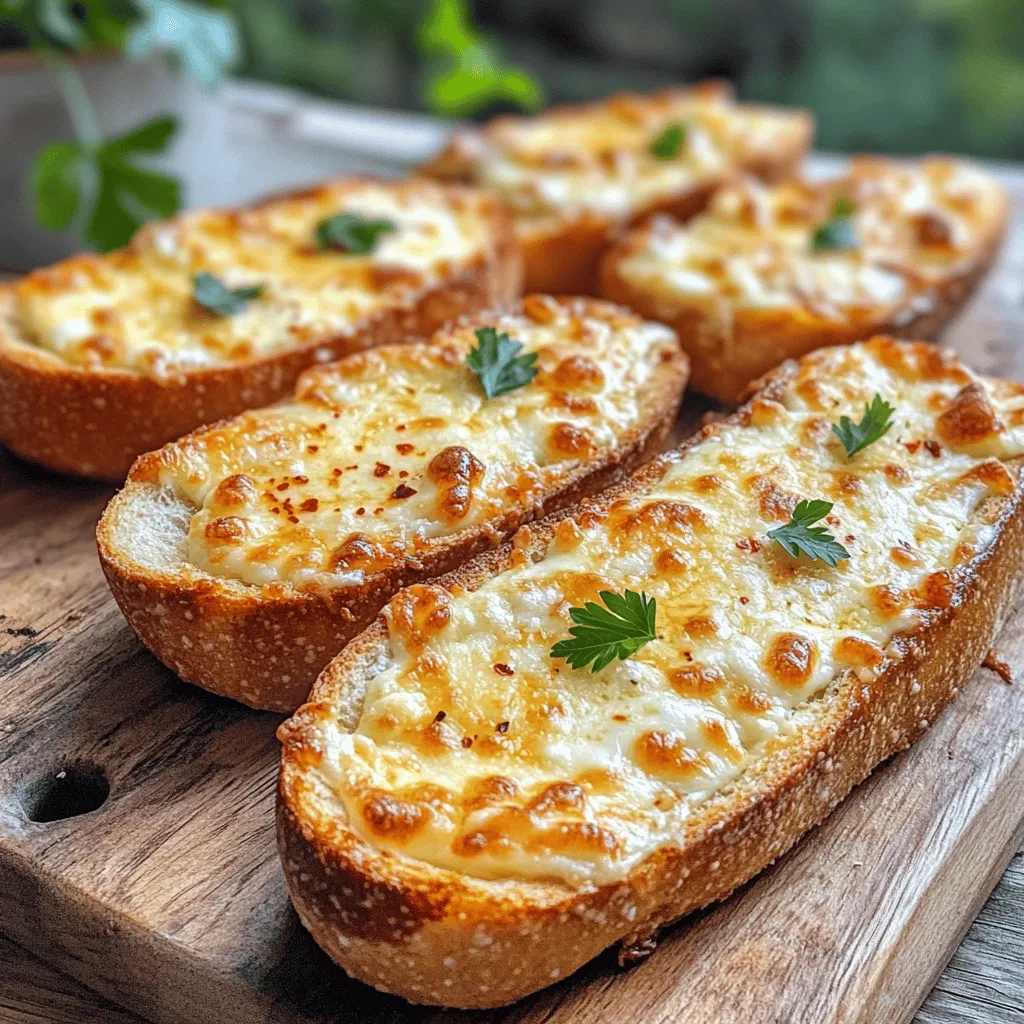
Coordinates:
(890, 75)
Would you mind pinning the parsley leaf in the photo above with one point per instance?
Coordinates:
(497, 363)
(215, 296)
(352, 233)
(668, 143)
(838, 231)
(799, 537)
(603, 634)
(876, 422)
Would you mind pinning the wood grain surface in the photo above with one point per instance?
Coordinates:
(168, 899)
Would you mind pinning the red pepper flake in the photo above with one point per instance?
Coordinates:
(284, 486)
(912, 446)
(751, 544)
(360, 511)
(381, 469)
(403, 474)
(504, 670)
(934, 448)
(293, 519)
(502, 727)
(312, 448)
(336, 472)
(309, 505)
(744, 600)
(467, 742)
(301, 479)
(440, 716)
(352, 467)
(402, 491)
(276, 511)
(404, 448)
(401, 426)
(359, 447)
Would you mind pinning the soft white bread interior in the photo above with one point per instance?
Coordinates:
(104, 357)
(576, 176)
(247, 554)
(464, 818)
(770, 273)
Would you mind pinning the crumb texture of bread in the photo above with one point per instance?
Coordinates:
(386, 468)
(103, 357)
(434, 832)
(767, 273)
(575, 176)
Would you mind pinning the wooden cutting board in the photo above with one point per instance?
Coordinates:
(168, 898)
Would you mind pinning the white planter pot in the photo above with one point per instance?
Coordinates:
(240, 142)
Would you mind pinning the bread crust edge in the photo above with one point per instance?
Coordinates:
(453, 938)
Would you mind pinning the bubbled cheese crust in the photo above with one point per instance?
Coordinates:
(598, 158)
(476, 752)
(133, 309)
(387, 456)
(745, 287)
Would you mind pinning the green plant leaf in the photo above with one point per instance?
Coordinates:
(56, 181)
(875, 424)
(203, 41)
(799, 536)
(151, 137)
(352, 233)
(619, 630)
(468, 74)
(497, 364)
(128, 196)
(215, 296)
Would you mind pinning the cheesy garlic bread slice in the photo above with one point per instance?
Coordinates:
(641, 702)
(103, 358)
(770, 273)
(576, 176)
(247, 554)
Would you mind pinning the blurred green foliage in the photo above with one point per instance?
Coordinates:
(888, 75)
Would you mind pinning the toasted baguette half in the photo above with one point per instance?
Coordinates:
(770, 273)
(577, 176)
(103, 358)
(246, 555)
(464, 819)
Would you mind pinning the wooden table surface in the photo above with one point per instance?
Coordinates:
(982, 984)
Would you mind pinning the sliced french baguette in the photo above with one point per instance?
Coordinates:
(770, 273)
(247, 554)
(103, 358)
(464, 819)
(577, 176)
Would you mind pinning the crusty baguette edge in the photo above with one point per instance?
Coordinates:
(565, 257)
(726, 354)
(94, 423)
(439, 937)
(265, 649)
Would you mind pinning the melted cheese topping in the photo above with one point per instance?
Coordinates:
(134, 309)
(477, 751)
(915, 223)
(388, 455)
(598, 157)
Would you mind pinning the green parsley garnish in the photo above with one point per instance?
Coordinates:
(215, 296)
(352, 233)
(668, 143)
(799, 537)
(837, 232)
(497, 363)
(603, 634)
(876, 422)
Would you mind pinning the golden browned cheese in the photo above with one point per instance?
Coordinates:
(598, 159)
(386, 456)
(134, 308)
(500, 761)
(914, 224)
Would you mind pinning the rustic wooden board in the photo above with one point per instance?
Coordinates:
(168, 899)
